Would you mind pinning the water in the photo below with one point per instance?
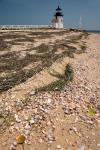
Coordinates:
(93, 31)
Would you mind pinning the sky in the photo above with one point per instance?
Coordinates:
(41, 12)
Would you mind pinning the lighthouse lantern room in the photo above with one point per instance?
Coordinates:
(57, 21)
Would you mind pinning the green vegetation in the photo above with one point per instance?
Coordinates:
(43, 48)
(54, 86)
(59, 84)
(69, 73)
(6, 118)
(91, 111)
(83, 48)
(13, 66)
(3, 45)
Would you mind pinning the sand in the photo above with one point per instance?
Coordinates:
(66, 125)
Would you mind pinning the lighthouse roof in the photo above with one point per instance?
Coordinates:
(58, 14)
(58, 9)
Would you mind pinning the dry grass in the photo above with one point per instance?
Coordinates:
(63, 80)
(3, 44)
(13, 66)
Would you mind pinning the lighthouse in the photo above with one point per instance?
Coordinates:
(57, 21)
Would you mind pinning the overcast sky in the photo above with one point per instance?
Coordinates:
(42, 11)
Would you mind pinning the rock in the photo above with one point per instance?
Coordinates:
(12, 96)
(12, 123)
(32, 93)
(76, 119)
(49, 101)
(35, 110)
(81, 148)
(74, 129)
(59, 147)
(15, 143)
(48, 123)
(32, 121)
(50, 142)
(27, 132)
(93, 133)
(51, 138)
(17, 119)
(27, 127)
(45, 110)
(40, 140)
(12, 147)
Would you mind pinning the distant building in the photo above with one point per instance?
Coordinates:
(57, 21)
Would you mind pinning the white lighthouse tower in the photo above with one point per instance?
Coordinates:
(57, 21)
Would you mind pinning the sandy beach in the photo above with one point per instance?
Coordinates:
(53, 108)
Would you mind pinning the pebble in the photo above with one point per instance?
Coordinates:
(32, 93)
(41, 140)
(12, 147)
(76, 119)
(12, 123)
(81, 148)
(32, 121)
(48, 123)
(27, 132)
(59, 147)
(27, 127)
(17, 118)
(15, 143)
(49, 101)
(12, 96)
(93, 133)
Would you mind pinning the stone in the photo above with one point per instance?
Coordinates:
(74, 129)
(12, 96)
(32, 93)
(15, 143)
(12, 147)
(76, 119)
(27, 132)
(17, 118)
(40, 141)
(81, 148)
(12, 123)
(48, 123)
(59, 147)
(32, 121)
(49, 100)
(27, 127)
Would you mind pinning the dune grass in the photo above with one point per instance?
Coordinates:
(13, 66)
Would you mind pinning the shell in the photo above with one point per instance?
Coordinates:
(20, 139)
